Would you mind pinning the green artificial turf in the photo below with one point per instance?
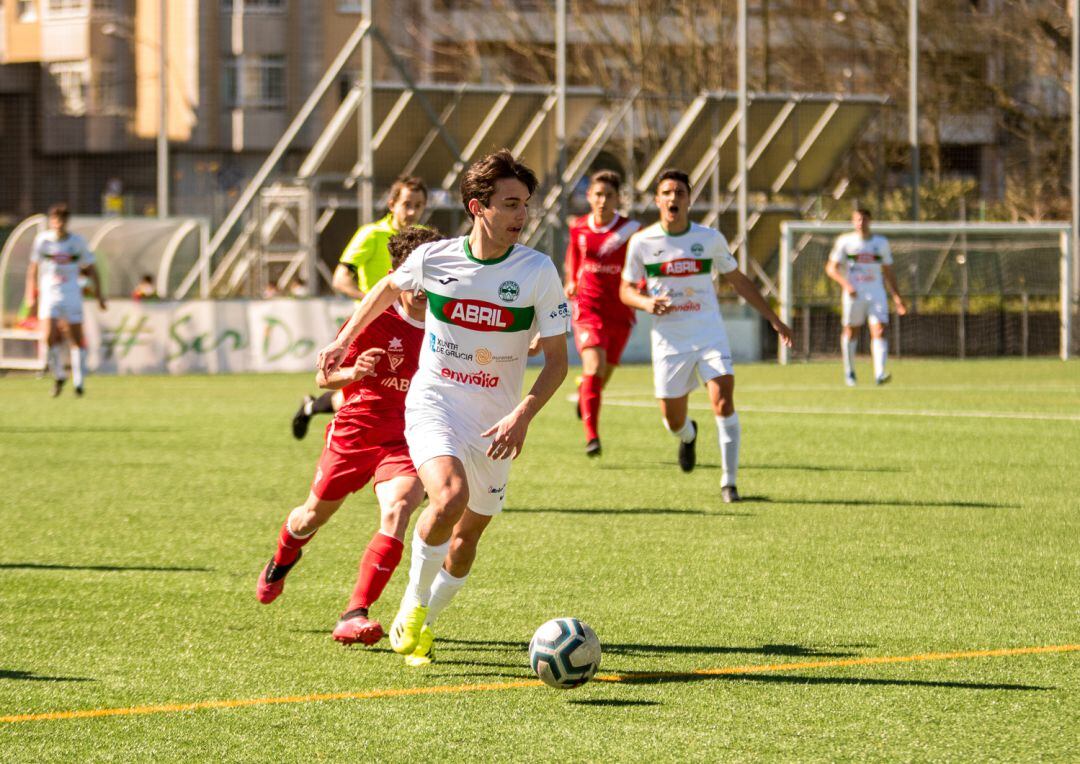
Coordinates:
(938, 514)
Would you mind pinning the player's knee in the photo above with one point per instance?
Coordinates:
(724, 406)
(450, 499)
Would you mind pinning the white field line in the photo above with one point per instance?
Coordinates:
(806, 410)
(959, 388)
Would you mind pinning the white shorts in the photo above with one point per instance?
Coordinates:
(68, 310)
(677, 374)
(430, 432)
(863, 305)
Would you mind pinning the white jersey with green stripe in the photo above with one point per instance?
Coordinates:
(481, 316)
(684, 267)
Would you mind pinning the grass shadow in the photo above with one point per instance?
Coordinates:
(625, 511)
(637, 649)
(630, 677)
(614, 702)
(30, 676)
(106, 568)
(881, 503)
(817, 468)
(69, 430)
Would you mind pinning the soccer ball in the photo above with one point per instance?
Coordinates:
(564, 653)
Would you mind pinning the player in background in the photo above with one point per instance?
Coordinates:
(365, 260)
(861, 263)
(465, 419)
(365, 442)
(592, 271)
(57, 260)
(680, 261)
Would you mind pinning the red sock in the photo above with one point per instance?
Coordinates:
(288, 546)
(591, 385)
(382, 555)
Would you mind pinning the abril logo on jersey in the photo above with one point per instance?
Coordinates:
(681, 268)
(477, 315)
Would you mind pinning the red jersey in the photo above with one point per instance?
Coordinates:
(594, 259)
(374, 409)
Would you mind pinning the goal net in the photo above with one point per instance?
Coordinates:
(972, 289)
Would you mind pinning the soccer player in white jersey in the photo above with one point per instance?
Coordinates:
(465, 419)
(680, 262)
(57, 260)
(861, 263)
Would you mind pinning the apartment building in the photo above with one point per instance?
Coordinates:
(80, 84)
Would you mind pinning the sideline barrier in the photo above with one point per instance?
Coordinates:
(279, 335)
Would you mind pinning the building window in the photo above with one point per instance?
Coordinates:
(70, 81)
(67, 6)
(255, 82)
(273, 6)
(26, 11)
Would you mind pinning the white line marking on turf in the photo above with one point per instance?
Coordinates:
(1022, 415)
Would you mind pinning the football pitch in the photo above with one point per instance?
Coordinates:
(901, 583)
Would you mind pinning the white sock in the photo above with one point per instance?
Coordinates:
(309, 405)
(686, 434)
(426, 563)
(442, 591)
(730, 435)
(879, 349)
(78, 365)
(848, 347)
(56, 362)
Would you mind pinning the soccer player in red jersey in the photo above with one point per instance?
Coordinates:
(365, 443)
(592, 273)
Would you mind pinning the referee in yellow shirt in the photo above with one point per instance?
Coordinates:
(365, 260)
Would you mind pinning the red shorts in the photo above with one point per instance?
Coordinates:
(339, 474)
(591, 331)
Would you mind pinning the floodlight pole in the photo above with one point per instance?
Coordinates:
(163, 113)
(1075, 162)
(365, 123)
(558, 239)
(913, 102)
(742, 139)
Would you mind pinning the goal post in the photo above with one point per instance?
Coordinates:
(972, 288)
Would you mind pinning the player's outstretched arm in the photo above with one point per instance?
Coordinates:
(654, 304)
(746, 289)
(510, 431)
(832, 270)
(890, 280)
(91, 272)
(381, 297)
(346, 375)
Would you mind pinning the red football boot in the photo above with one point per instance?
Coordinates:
(272, 580)
(358, 628)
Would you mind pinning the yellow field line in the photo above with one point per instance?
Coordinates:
(460, 688)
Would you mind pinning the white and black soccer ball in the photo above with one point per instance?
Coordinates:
(564, 653)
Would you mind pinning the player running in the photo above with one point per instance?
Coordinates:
(465, 419)
(680, 261)
(861, 263)
(602, 324)
(57, 260)
(365, 442)
(365, 260)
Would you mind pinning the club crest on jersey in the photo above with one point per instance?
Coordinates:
(509, 291)
(697, 250)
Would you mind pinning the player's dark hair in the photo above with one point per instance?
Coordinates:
(59, 211)
(479, 180)
(610, 177)
(411, 182)
(865, 212)
(673, 174)
(402, 243)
